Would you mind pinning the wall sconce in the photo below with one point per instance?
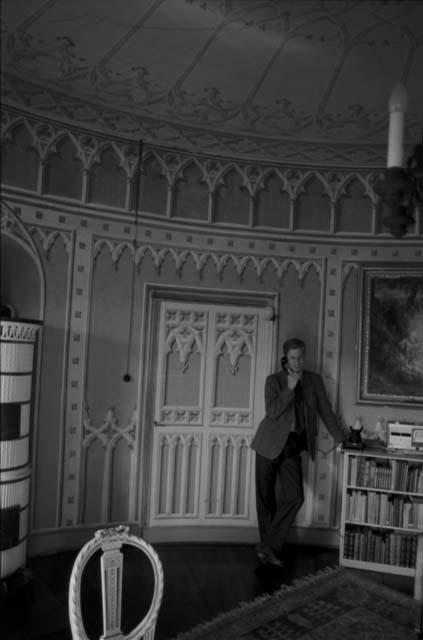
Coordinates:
(402, 189)
(269, 313)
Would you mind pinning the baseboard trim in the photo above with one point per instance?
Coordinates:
(49, 541)
(240, 535)
(217, 534)
(321, 537)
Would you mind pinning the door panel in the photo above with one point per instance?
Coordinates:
(212, 361)
(181, 370)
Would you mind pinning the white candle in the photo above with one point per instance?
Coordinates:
(397, 108)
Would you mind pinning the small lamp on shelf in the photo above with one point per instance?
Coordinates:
(402, 189)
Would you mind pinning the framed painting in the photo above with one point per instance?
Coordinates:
(390, 368)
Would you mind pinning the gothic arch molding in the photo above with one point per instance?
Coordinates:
(16, 231)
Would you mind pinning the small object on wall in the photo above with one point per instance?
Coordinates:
(7, 311)
(269, 313)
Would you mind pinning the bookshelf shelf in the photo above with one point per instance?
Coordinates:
(382, 510)
(372, 525)
(385, 568)
(410, 494)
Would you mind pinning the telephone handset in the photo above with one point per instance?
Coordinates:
(284, 365)
(297, 387)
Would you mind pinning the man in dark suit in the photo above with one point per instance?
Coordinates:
(293, 399)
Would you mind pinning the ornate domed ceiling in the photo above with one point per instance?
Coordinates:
(294, 81)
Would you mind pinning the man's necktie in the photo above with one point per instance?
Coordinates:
(299, 391)
(299, 407)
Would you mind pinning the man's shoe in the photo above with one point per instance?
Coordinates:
(266, 555)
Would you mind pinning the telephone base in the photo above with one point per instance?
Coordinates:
(354, 445)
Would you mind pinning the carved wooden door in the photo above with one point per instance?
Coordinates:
(211, 368)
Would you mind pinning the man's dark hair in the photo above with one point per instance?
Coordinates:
(293, 343)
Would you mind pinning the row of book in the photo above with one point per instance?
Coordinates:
(383, 473)
(384, 509)
(392, 548)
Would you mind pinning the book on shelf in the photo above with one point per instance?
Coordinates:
(352, 470)
(379, 473)
(408, 515)
(417, 503)
(384, 509)
(368, 545)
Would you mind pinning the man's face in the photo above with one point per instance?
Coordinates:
(295, 359)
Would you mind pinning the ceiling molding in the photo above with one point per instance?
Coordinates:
(299, 83)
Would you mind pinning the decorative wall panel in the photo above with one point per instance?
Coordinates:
(20, 162)
(63, 173)
(107, 466)
(313, 210)
(178, 475)
(153, 188)
(272, 203)
(218, 192)
(107, 181)
(20, 287)
(231, 199)
(191, 195)
(229, 473)
(354, 208)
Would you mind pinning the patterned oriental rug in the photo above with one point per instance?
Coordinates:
(334, 604)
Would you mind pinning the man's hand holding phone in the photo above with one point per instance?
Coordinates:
(293, 365)
(292, 379)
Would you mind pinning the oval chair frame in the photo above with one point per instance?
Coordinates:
(110, 542)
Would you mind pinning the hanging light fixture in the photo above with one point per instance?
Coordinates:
(402, 188)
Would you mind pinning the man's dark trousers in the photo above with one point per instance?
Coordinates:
(284, 476)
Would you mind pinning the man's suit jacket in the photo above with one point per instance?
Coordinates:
(274, 429)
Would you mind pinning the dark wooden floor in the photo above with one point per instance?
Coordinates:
(200, 582)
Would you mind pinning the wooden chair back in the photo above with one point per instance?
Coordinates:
(110, 542)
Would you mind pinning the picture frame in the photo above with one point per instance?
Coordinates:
(390, 341)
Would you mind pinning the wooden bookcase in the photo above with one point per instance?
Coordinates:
(382, 510)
